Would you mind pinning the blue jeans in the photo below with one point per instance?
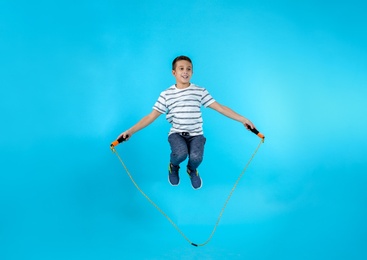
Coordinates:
(183, 146)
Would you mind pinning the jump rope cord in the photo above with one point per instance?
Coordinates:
(168, 218)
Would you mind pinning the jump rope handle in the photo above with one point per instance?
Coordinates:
(256, 132)
(119, 140)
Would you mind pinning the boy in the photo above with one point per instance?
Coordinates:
(181, 103)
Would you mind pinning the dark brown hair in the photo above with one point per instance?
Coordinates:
(178, 59)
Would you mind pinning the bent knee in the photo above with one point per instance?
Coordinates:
(196, 157)
(179, 157)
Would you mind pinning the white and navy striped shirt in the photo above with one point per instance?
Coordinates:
(182, 108)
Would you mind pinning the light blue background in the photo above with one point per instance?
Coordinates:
(75, 74)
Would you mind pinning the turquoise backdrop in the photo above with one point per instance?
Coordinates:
(75, 74)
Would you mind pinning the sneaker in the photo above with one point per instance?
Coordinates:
(173, 177)
(195, 179)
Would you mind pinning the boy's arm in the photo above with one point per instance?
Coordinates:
(232, 114)
(145, 121)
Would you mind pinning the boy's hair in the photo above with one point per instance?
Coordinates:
(178, 59)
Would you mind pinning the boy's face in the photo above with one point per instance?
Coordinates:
(183, 72)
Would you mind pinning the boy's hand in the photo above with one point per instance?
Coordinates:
(249, 125)
(126, 135)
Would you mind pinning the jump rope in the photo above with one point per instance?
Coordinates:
(122, 139)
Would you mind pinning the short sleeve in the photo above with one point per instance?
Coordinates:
(160, 105)
(206, 99)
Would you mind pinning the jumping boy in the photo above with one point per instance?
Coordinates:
(181, 103)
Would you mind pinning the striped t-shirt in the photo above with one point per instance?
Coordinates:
(182, 108)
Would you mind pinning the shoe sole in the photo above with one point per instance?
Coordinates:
(201, 181)
(173, 184)
(201, 185)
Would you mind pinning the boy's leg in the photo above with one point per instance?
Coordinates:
(179, 150)
(196, 152)
(179, 153)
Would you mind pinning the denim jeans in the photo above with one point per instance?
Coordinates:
(183, 146)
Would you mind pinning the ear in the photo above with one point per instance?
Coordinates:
(173, 72)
